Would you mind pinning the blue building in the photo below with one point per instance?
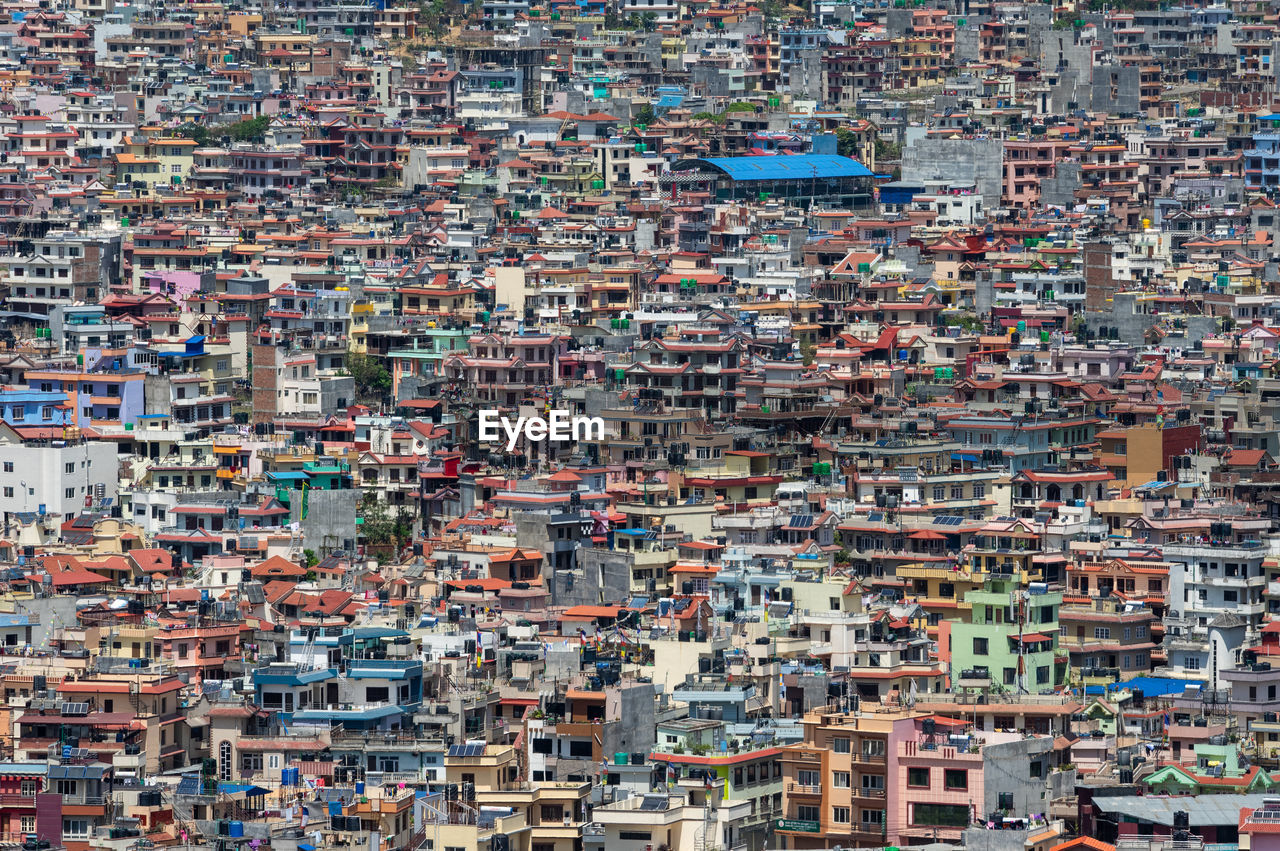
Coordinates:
(1262, 161)
(34, 408)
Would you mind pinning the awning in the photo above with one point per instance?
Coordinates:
(1033, 637)
(926, 535)
(944, 721)
(964, 456)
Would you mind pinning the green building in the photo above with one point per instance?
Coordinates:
(1012, 636)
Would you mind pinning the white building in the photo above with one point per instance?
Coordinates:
(1216, 602)
(55, 475)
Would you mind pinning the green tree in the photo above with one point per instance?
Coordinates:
(372, 380)
(846, 142)
(644, 115)
(196, 132)
(309, 559)
(378, 527)
(249, 130)
(886, 150)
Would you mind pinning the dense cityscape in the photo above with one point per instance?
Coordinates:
(639, 425)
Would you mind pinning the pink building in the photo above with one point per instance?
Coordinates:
(935, 766)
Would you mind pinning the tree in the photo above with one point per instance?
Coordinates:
(196, 132)
(886, 150)
(309, 559)
(808, 351)
(372, 380)
(378, 527)
(846, 142)
(250, 129)
(644, 115)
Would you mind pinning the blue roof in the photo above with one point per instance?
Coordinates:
(236, 788)
(784, 167)
(1160, 686)
(1150, 686)
(288, 476)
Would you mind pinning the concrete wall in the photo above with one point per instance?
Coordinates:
(977, 161)
(601, 576)
(54, 613)
(1007, 770)
(330, 523)
(636, 729)
(1059, 190)
(1134, 325)
(1115, 89)
(336, 393)
(979, 839)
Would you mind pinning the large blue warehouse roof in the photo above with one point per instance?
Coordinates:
(782, 167)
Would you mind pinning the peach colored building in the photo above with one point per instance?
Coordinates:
(1026, 163)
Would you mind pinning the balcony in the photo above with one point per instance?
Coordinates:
(18, 801)
(869, 797)
(804, 789)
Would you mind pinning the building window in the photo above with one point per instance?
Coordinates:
(807, 812)
(980, 647)
(840, 779)
(840, 815)
(940, 815)
(28, 824)
(1102, 632)
(840, 744)
(918, 777)
(955, 779)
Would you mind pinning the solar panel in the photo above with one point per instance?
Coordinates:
(75, 709)
(948, 520)
(653, 802)
(876, 517)
(457, 750)
(801, 521)
(189, 785)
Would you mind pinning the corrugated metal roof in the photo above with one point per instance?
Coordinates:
(784, 167)
(1202, 810)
